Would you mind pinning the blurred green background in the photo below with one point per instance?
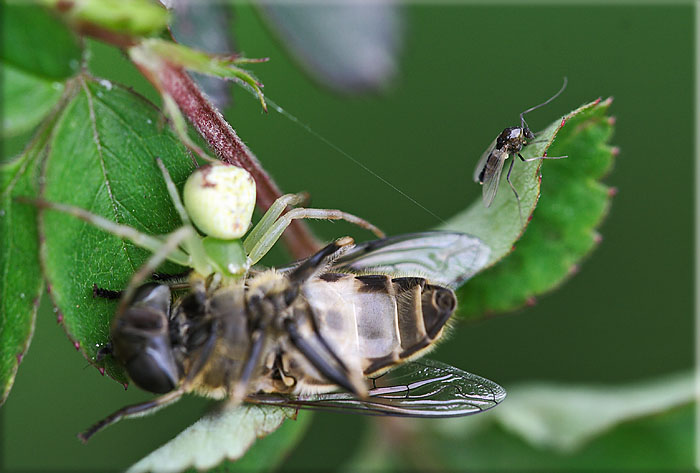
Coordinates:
(466, 73)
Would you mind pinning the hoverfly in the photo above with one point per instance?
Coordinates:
(340, 319)
(510, 142)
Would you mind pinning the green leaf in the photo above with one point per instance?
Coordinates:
(267, 453)
(102, 159)
(564, 418)
(26, 99)
(660, 442)
(226, 434)
(20, 279)
(643, 424)
(562, 231)
(38, 54)
(544, 426)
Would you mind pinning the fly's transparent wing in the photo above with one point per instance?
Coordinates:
(424, 388)
(492, 175)
(482, 161)
(447, 258)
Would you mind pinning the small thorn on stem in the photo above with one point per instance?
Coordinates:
(101, 370)
(531, 301)
(76, 345)
(597, 238)
(612, 120)
(126, 386)
(612, 192)
(615, 151)
(19, 357)
(563, 122)
(574, 269)
(59, 318)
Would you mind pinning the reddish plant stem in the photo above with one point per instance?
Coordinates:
(222, 138)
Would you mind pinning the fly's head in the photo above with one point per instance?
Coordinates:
(141, 340)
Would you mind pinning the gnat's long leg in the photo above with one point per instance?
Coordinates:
(134, 410)
(272, 234)
(517, 197)
(527, 160)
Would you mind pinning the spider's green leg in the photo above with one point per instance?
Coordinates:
(143, 240)
(172, 241)
(272, 214)
(274, 231)
(192, 244)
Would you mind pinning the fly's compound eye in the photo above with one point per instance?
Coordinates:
(529, 134)
(142, 343)
(445, 300)
(438, 304)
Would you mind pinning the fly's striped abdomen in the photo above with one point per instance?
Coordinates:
(376, 321)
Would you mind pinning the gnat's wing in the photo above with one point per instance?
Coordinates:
(447, 258)
(424, 388)
(492, 175)
(482, 162)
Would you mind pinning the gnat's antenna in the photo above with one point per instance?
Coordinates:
(523, 124)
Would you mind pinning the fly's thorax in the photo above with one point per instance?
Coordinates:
(512, 139)
(215, 340)
(268, 295)
(234, 311)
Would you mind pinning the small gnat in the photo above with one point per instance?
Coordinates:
(149, 121)
(21, 295)
(2, 212)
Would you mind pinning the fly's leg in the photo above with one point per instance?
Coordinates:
(105, 293)
(314, 263)
(257, 248)
(263, 308)
(134, 410)
(175, 281)
(334, 369)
